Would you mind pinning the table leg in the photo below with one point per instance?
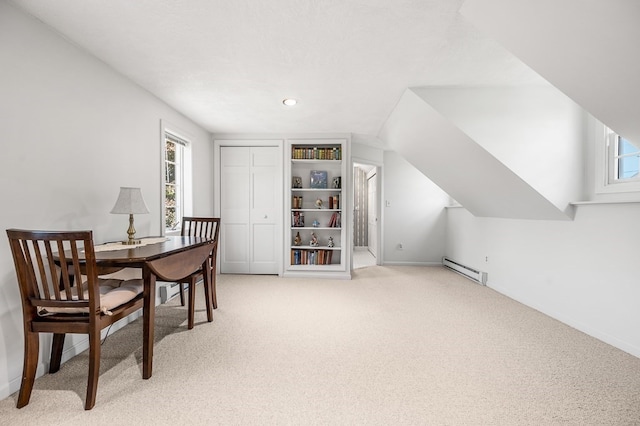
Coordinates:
(149, 320)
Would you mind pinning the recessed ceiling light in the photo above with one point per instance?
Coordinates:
(289, 102)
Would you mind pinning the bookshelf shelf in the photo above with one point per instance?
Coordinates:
(315, 177)
(313, 190)
(316, 210)
(293, 160)
(310, 228)
(315, 248)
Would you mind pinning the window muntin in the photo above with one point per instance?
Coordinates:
(627, 159)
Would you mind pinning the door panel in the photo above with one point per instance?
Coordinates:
(235, 256)
(265, 215)
(264, 255)
(372, 219)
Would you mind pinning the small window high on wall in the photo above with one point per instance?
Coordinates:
(623, 162)
(617, 167)
(176, 163)
(626, 159)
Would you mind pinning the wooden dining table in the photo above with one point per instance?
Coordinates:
(170, 260)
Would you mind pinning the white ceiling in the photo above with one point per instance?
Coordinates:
(586, 48)
(227, 64)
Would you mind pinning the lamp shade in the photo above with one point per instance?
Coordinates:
(130, 201)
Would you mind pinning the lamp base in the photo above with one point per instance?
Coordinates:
(131, 232)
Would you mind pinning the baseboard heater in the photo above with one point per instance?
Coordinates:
(472, 274)
(169, 291)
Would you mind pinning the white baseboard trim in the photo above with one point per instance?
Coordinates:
(398, 263)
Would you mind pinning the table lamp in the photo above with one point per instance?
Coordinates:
(130, 202)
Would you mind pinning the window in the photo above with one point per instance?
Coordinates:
(175, 187)
(626, 159)
(617, 162)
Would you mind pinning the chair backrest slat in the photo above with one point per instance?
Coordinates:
(76, 271)
(23, 246)
(53, 270)
(48, 256)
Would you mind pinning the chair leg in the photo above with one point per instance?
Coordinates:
(94, 369)
(56, 352)
(31, 349)
(207, 297)
(181, 293)
(213, 289)
(192, 302)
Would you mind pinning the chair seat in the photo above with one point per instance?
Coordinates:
(113, 293)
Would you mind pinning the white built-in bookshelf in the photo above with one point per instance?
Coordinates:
(316, 241)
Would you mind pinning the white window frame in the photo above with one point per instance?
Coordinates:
(614, 156)
(606, 164)
(184, 201)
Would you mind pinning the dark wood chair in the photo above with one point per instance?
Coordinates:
(208, 227)
(47, 265)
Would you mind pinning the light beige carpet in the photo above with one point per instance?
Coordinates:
(393, 346)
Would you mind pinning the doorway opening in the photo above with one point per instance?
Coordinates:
(365, 215)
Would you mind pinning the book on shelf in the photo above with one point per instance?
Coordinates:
(316, 153)
(296, 202)
(311, 257)
(334, 222)
(334, 201)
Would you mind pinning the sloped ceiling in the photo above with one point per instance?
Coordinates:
(537, 132)
(460, 166)
(589, 49)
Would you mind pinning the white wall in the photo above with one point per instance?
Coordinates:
(74, 131)
(583, 273)
(414, 214)
(367, 148)
(536, 131)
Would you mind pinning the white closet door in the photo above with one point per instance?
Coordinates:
(235, 184)
(264, 215)
(249, 181)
